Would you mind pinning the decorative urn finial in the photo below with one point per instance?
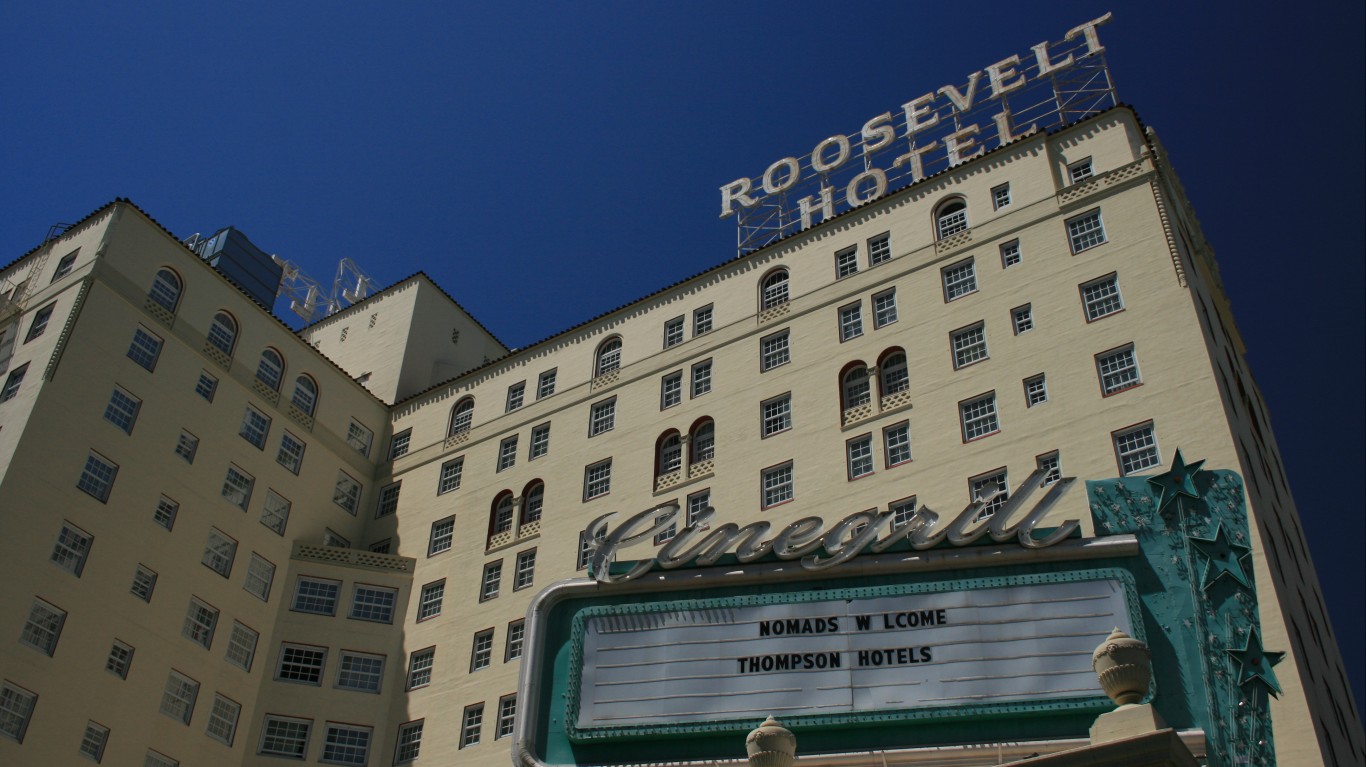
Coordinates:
(1124, 666)
(771, 745)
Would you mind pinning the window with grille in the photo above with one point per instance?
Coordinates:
(879, 249)
(399, 444)
(260, 574)
(540, 442)
(481, 654)
(43, 627)
(291, 454)
(1022, 319)
(420, 666)
(774, 351)
(178, 697)
(884, 308)
(608, 357)
(255, 426)
(516, 632)
(145, 349)
(275, 512)
(359, 671)
(71, 549)
(285, 736)
(97, 478)
(777, 485)
(237, 486)
(777, 415)
(897, 443)
(92, 742)
(992, 491)
(1101, 297)
(951, 219)
(903, 511)
(507, 453)
(373, 603)
(165, 512)
(773, 291)
(200, 622)
(450, 475)
(122, 410)
(670, 390)
(851, 321)
(597, 480)
(846, 262)
(1136, 449)
(219, 552)
(492, 581)
(1085, 231)
(346, 494)
(316, 596)
(1000, 196)
(187, 446)
(1036, 390)
(16, 707)
(959, 280)
(701, 320)
(602, 417)
(144, 583)
(359, 438)
(223, 719)
(241, 646)
(698, 503)
(1118, 370)
(346, 744)
(516, 393)
(673, 332)
(388, 500)
(429, 602)
(409, 742)
(507, 716)
(587, 545)
(1080, 170)
(1051, 465)
(471, 724)
(301, 663)
(896, 377)
(701, 378)
(12, 383)
(120, 659)
(860, 456)
(545, 384)
(526, 569)
(1010, 254)
(443, 535)
(978, 416)
(206, 386)
(969, 345)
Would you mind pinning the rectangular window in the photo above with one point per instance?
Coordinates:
(507, 453)
(896, 441)
(16, 707)
(237, 487)
(97, 478)
(360, 671)
(776, 415)
(698, 503)
(540, 442)
(1051, 465)
(177, 699)
(219, 552)
(597, 480)
(316, 596)
(1022, 319)
(516, 394)
(1136, 449)
(43, 627)
(346, 494)
(512, 650)
(1036, 390)
(450, 475)
(481, 655)
(359, 438)
(71, 548)
(285, 736)
(122, 410)
(223, 719)
(673, 332)
(154, 759)
(701, 320)
(507, 716)
(1079, 171)
(186, 446)
(492, 581)
(774, 351)
(1101, 297)
(301, 663)
(959, 280)
(1085, 231)
(206, 386)
(255, 427)
(545, 385)
(602, 417)
(992, 490)
(92, 742)
(701, 378)
(200, 622)
(1000, 196)
(471, 724)
(373, 603)
(409, 742)
(667, 534)
(241, 646)
(398, 445)
(979, 416)
(388, 500)
(291, 455)
(165, 512)
(903, 511)
(777, 485)
(443, 535)
(40, 320)
(846, 262)
(884, 308)
(1118, 370)
(144, 583)
(526, 569)
(587, 545)
(420, 666)
(670, 390)
(851, 321)
(346, 744)
(120, 659)
(275, 512)
(1010, 254)
(860, 456)
(16, 377)
(969, 345)
(260, 574)
(879, 249)
(145, 349)
(64, 266)
(429, 601)
(381, 547)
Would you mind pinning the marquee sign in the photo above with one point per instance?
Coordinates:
(1053, 85)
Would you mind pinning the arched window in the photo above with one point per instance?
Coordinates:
(608, 357)
(305, 394)
(165, 289)
(500, 517)
(668, 454)
(855, 389)
(893, 374)
(462, 415)
(773, 290)
(271, 369)
(533, 499)
(223, 332)
(703, 442)
(951, 218)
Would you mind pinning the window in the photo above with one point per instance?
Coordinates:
(776, 415)
(317, 596)
(206, 386)
(471, 724)
(903, 511)
(155, 759)
(16, 377)
(507, 453)
(346, 494)
(602, 417)
(271, 369)
(359, 438)
(512, 650)
(502, 513)
(777, 485)
(450, 475)
(409, 742)
(429, 603)
(608, 357)
(851, 321)
(346, 744)
(122, 410)
(668, 454)
(545, 385)
(773, 290)
(879, 249)
(507, 716)
(420, 666)
(260, 574)
(701, 320)
(959, 280)
(223, 719)
(979, 416)
(200, 622)
(516, 394)
(894, 373)
(64, 266)
(120, 659)
(491, 582)
(1022, 319)
(92, 742)
(398, 445)
(144, 583)
(896, 441)
(698, 503)
(1118, 370)
(373, 603)
(255, 426)
(1010, 254)
(40, 321)
(381, 547)
(301, 663)
(951, 218)
(1136, 449)
(177, 699)
(388, 500)
(703, 441)
(16, 706)
(241, 646)
(284, 736)
(219, 552)
(884, 308)
(526, 569)
(186, 446)
(1101, 297)
(442, 536)
(860, 456)
(481, 655)
(670, 390)
(1079, 171)
(855, 389)
(275, 512)
(1086, 231)
(145, 349)
(1000, 196)
(237, 487)
(673, 332)
(305, 395)
(43, 627)
(540, 442)
(222, 333)
(992, 490)
(97, 478)
(1050, 464)
(71, 548)
(165, 289)
(587, 545)
(846, 262)
(331, 538)
(1036, 390)
(969, 345)
(533, 503)
(359, 671)
(701, 378)
(773, 351)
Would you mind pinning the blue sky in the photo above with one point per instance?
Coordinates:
(571, 153)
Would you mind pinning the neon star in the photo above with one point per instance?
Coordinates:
(1179, 481)
(1255, 663)
(1223, 557)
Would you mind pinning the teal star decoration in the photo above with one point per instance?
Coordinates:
(1177, 482)
(1255, 663)
(1223, 556)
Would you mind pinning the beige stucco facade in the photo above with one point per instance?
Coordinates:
(420, 357)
